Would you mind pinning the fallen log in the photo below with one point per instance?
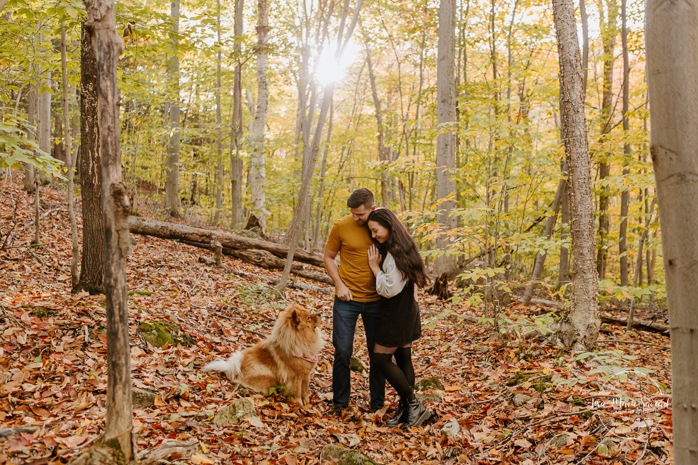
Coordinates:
(645, 325)
(196, 236)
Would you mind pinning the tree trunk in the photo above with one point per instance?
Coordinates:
(92, 262)
(608, 36)
(625, 194)
(446, 140)
(585, 42)
(580, 327)
(219, 121)
(101, 25)
(32, 102)
(70, 162)
(258, 160)
(172, 201)
(673, 91)
(539, 264)
(383, 151)
(236, 125)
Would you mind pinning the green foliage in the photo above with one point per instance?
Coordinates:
(16, 150)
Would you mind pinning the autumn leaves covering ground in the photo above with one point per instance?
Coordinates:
(503, 399)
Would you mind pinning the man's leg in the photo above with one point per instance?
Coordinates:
(344, 317)
(376, 379)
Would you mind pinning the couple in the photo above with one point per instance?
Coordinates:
(375, 279)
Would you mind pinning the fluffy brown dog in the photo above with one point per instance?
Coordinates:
(286, 358)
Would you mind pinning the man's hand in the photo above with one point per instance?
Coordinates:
(340, 289)
(374, 260)
(343, 292)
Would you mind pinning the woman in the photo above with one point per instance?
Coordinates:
(398, 268)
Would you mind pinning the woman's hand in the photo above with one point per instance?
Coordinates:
(374, 259)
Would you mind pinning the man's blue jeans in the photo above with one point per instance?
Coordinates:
(344, 318)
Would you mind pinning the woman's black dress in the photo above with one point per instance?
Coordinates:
(400, 323)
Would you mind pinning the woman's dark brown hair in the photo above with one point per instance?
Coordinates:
(401, 246)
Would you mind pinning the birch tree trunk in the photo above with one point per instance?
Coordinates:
(101, 25)
(446, 140)
(580, 327)
(672, 62)
(172, 201)
(29, 171)
(258, 161)
(236, 124)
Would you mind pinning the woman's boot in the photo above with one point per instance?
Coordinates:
(400, 415)
(417, 413)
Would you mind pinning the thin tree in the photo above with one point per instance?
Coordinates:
(672, 62)
(311, 151)
(117, 439)
(236, 123)
(219, 120)
(627, 153)
(258, 160)
(580, 327)
(446, 140)
(609, 31)
(172, 201)
(70, 162)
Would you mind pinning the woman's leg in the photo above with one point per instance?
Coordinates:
(384, 360)
(403, 357)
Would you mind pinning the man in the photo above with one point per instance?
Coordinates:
(355, 294)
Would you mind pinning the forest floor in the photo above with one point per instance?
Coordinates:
(504, 399)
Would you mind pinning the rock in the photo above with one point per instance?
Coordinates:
(607, 448)
(451, 429)
(559, 441)
(428, 384)
(332, 451)
(520, 399)
(235, 412)
(356, 365)
(345, 456)
(142, 398)
(161, 333)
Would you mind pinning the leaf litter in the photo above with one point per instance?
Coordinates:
(504, 399)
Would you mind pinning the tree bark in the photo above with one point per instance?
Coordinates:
(579, 328)
(673, 90)
(101, 26)
(92, 262)
(446, 140)
(383, 151)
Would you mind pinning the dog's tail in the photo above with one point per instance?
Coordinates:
(230, 367)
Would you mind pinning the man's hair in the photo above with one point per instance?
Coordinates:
(361, 196)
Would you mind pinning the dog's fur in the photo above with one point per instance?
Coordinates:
(286, 358)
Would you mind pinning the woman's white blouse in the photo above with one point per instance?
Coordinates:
(389, 281)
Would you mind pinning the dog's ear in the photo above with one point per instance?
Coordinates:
(295, 317)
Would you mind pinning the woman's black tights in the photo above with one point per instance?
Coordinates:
(400, 376)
